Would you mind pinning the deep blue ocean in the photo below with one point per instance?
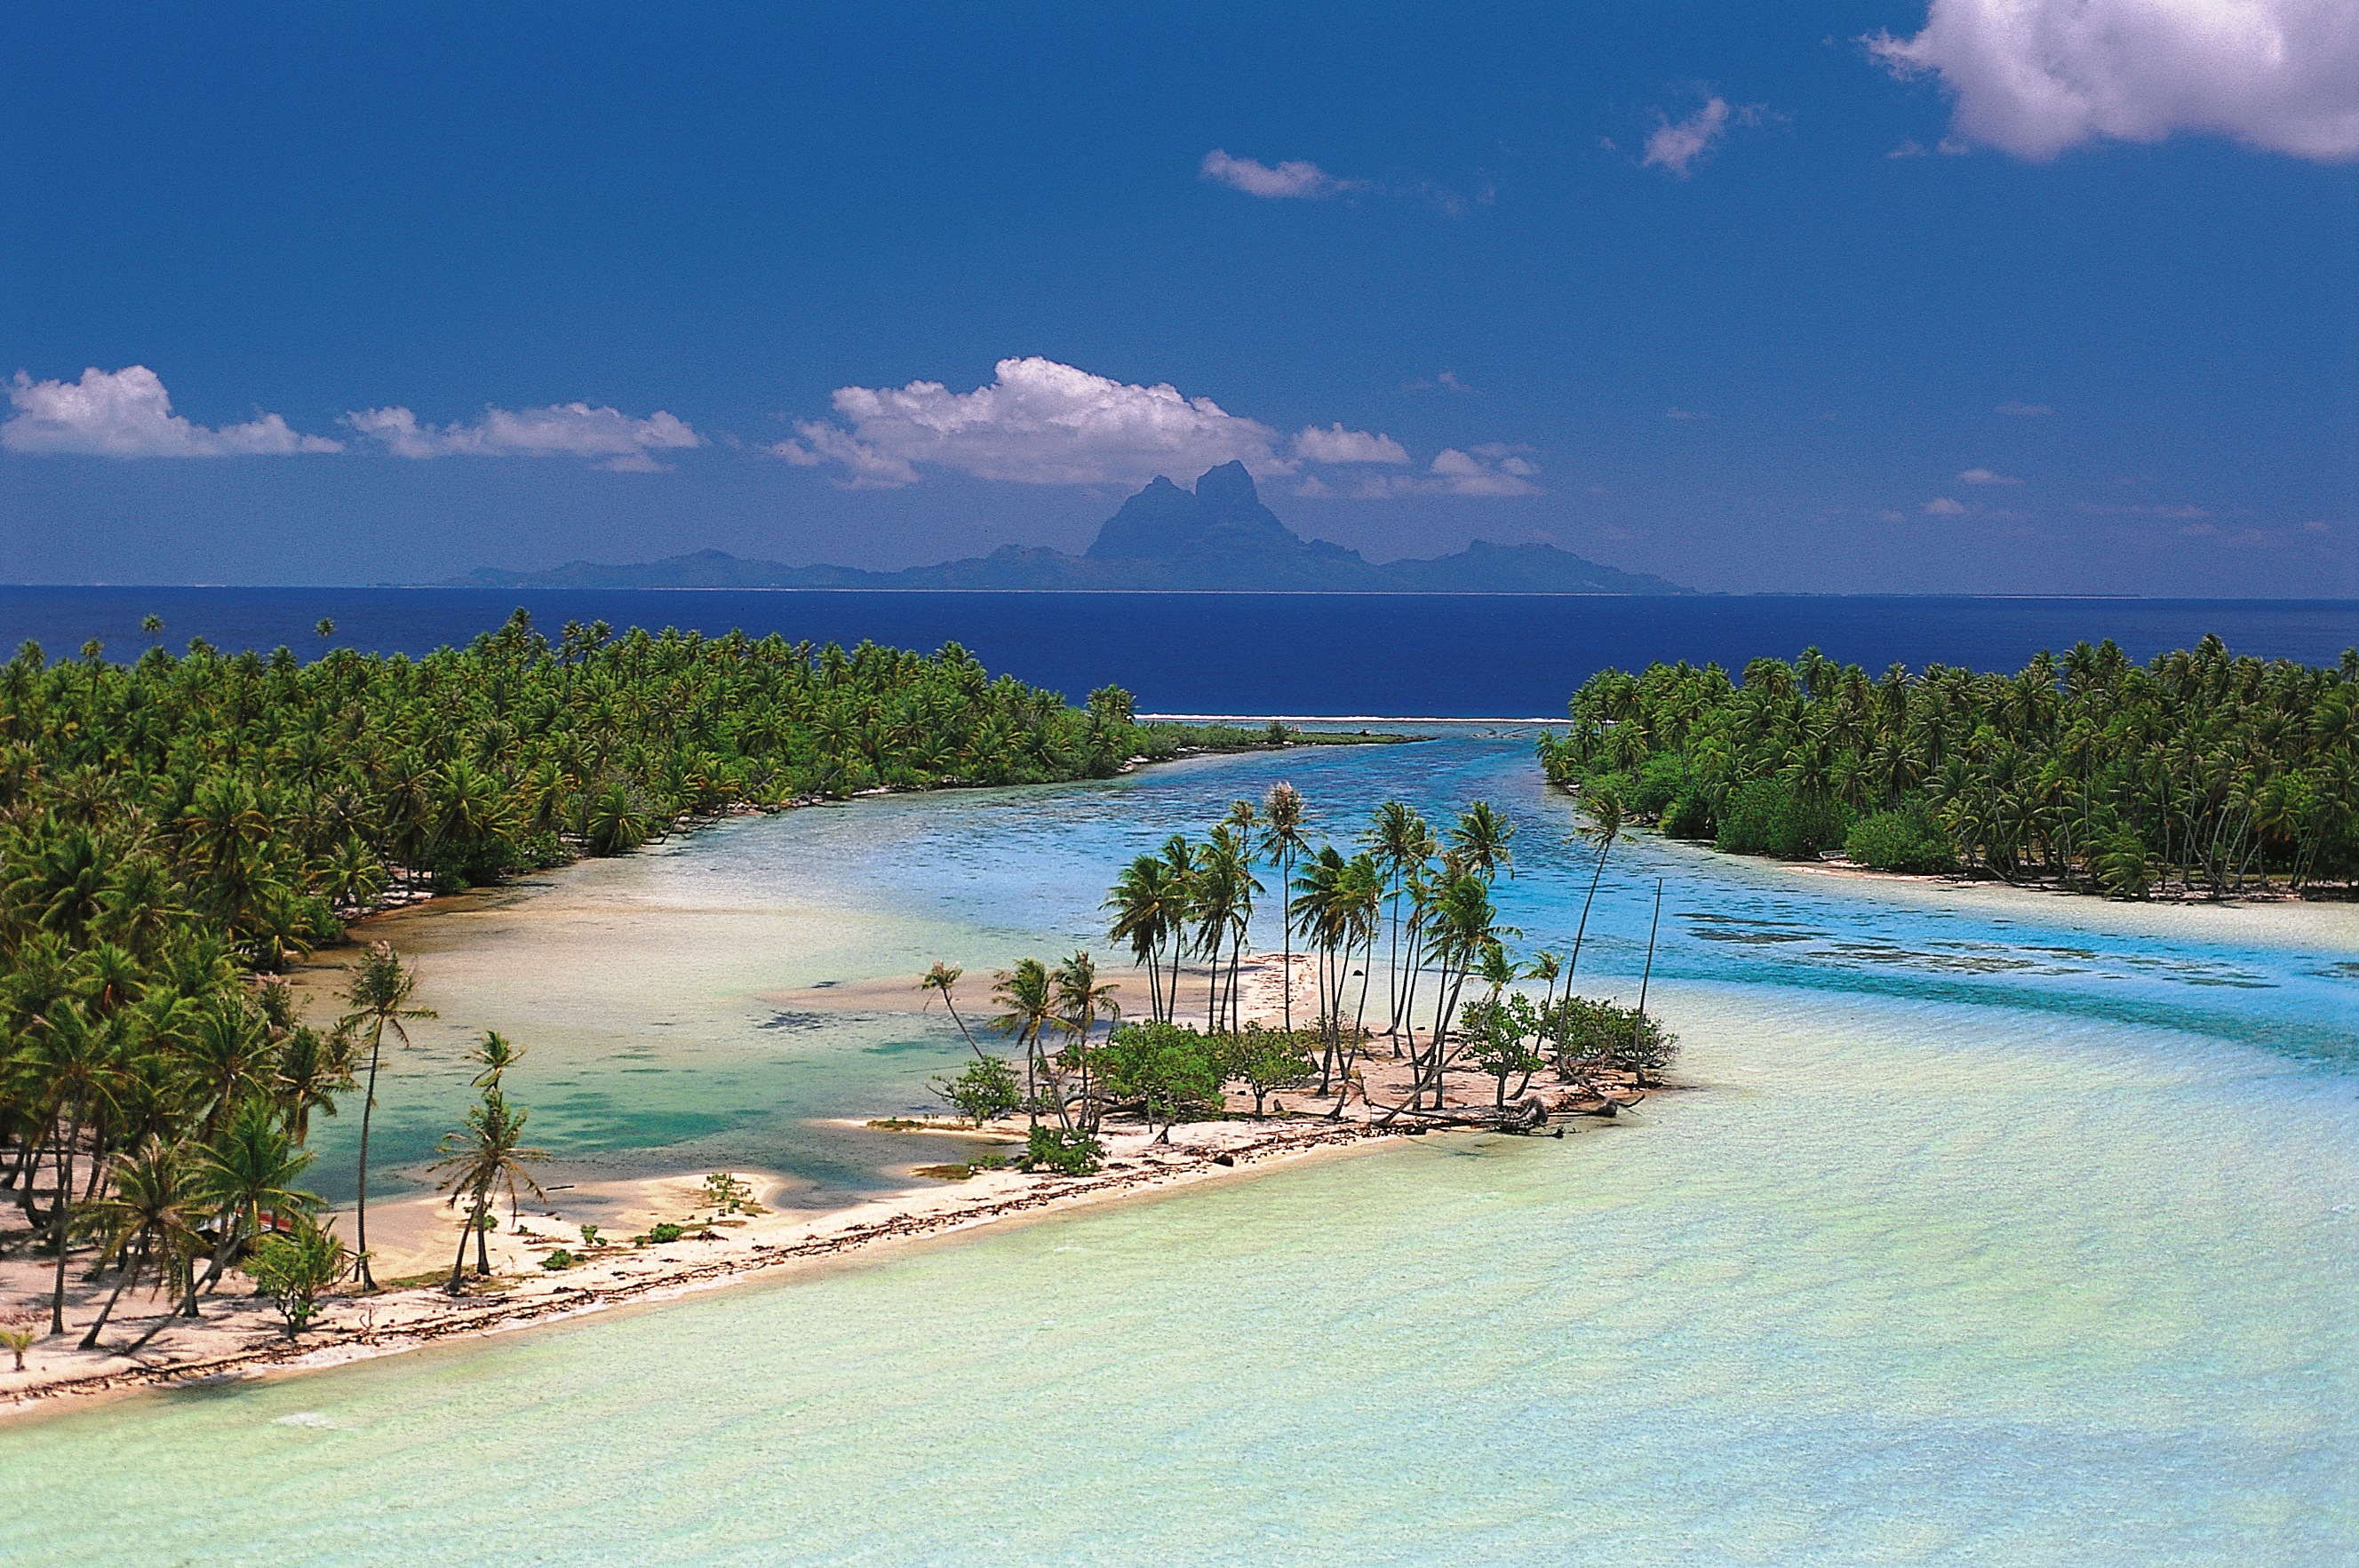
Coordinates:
(1403, 656)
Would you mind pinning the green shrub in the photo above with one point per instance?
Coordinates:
(561, 1258)
(1066, 1152)
(1904, 839)
(987, 1091)
(1767, 817)
(1688, 817)
(663, 1233)
(1660, 779)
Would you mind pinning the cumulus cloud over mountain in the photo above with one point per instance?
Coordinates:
(1039, 422)
(2036, 77)
(128, 413)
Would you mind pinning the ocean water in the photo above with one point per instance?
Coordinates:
(1995, 1229)
(1331, 654)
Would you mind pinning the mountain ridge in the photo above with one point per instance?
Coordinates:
(1218, 537)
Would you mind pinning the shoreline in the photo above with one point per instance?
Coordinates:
(243, 1336)
(244, 1339)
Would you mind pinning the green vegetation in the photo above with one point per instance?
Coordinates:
(664, 1232)
(486, 1152)
(294, 1270)
(558, 1258)
(174, 831)
(2198, 773)
(1062, 1150)
(985, 1090)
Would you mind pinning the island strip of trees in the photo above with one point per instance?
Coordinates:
(174, 830)
(2201, 773)
(1457, 1005)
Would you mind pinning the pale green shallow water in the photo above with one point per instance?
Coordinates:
(1999, 1232)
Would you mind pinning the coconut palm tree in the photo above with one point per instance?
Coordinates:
(1081, 1000)
(1031, 1000)
(1603, 808)
(942, 978)
(488, 1151)
(1282, 843)
(249, 1168)
(1401, 843)
(148, 1218)
(379, 998)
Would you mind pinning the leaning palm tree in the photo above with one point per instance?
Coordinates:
(149, 1217)
(77, 1066)
(250, 1169)
(1281, 843)
(1145, 904)
(379, 999)
(487, 1152)
(941, 977)
(1605, 810)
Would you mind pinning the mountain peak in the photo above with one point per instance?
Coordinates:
(1222, 517)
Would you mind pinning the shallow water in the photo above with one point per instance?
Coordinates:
(1998, 1230)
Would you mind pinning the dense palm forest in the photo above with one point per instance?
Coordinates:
(174, 829)
(2199, 774)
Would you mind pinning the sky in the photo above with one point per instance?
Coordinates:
(1978, 296)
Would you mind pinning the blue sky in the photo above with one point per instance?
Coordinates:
(2047, 296)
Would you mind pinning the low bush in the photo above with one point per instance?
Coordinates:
(1904, 839)
(1765, 817)
(1065, 1152)
(663, 1233)
(561, 1258)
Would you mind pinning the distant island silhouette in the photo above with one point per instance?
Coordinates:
(1218, 537)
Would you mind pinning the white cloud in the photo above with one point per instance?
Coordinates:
(561, 430)
(1676, 145)
(1294, 178)
(128, 413)
(1039, 422)
(2036, 77)
(1681, 414)
(1336, 444)
(2025, 411)
(1490, 470)
(1984, 477)
(1942, 506)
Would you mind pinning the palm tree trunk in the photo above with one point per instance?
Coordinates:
(483, 1251)
(360, 1203)
(131, 1268)
(57, 1218)
(458, 1284)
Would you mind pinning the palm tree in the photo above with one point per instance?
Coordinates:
(311, 1071)
(1081, 1002)
(941, 977)
(494, 1054)
(379, 999)
(487, 1152)
(1030, 1002)
(1281, 843)
(1605, 810)
(1401, 842)
(76, 1066)
(149, 1217)
(250, 1168)
(1481, 839)
(1147, 907)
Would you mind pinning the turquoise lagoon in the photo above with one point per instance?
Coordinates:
(1996, 1229)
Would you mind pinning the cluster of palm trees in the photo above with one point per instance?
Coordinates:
(1421, 900)
(2201, 770)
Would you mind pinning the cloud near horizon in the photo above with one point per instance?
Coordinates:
(561, 430)
(128, 413)
(1494, 469)
(1039, 422)
(2035, 78)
